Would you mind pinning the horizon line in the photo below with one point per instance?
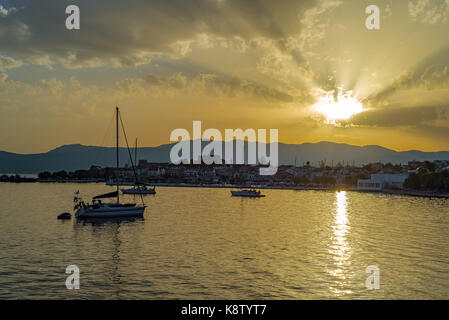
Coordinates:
(205, 140)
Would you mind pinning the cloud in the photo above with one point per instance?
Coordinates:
(233, 87)
(127, 33)
(3, 83)
(51, 97)
(313, 31)
(53, 85)
(4, 11)
(430, 78)
(429, 11)
(154, 85)
(17, 89)
(204, 84)
(275, 64)
(9, 63)
(406, 116)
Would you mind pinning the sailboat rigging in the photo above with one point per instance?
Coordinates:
(98, 209)
(139, 188)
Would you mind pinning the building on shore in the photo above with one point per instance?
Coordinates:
(380, 181)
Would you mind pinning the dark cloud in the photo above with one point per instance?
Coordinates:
(209, 84)
(430, 73)
(234, 86)
(390, 117)
(431, 78)
(126, 30)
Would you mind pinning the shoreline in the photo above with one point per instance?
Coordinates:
(411, 193)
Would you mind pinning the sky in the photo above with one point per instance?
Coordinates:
(258, 64)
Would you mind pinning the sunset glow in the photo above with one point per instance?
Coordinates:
(341, 107)
(313, 70)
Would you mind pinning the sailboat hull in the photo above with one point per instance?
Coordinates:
(110, 212)
(138, 191)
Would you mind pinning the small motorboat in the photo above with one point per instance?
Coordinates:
(139, 190)
(247, 193)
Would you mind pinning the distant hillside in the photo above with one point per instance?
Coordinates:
(73, 157)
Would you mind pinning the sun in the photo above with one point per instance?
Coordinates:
(339, 107)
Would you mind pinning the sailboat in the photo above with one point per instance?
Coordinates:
(139, 189)
(247, 193)
(99, 209)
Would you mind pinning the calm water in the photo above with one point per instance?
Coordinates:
(203, 244)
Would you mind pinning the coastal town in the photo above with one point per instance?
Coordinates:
(415, 175)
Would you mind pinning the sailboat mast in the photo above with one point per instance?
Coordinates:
(117, 175)
(135, 154)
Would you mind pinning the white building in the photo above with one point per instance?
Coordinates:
(381, 181)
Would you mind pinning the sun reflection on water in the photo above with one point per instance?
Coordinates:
(339, 248)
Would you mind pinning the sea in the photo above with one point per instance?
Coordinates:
(200, 243)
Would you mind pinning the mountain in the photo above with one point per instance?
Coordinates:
(73, 157)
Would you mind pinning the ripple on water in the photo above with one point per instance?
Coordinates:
(203, 244)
